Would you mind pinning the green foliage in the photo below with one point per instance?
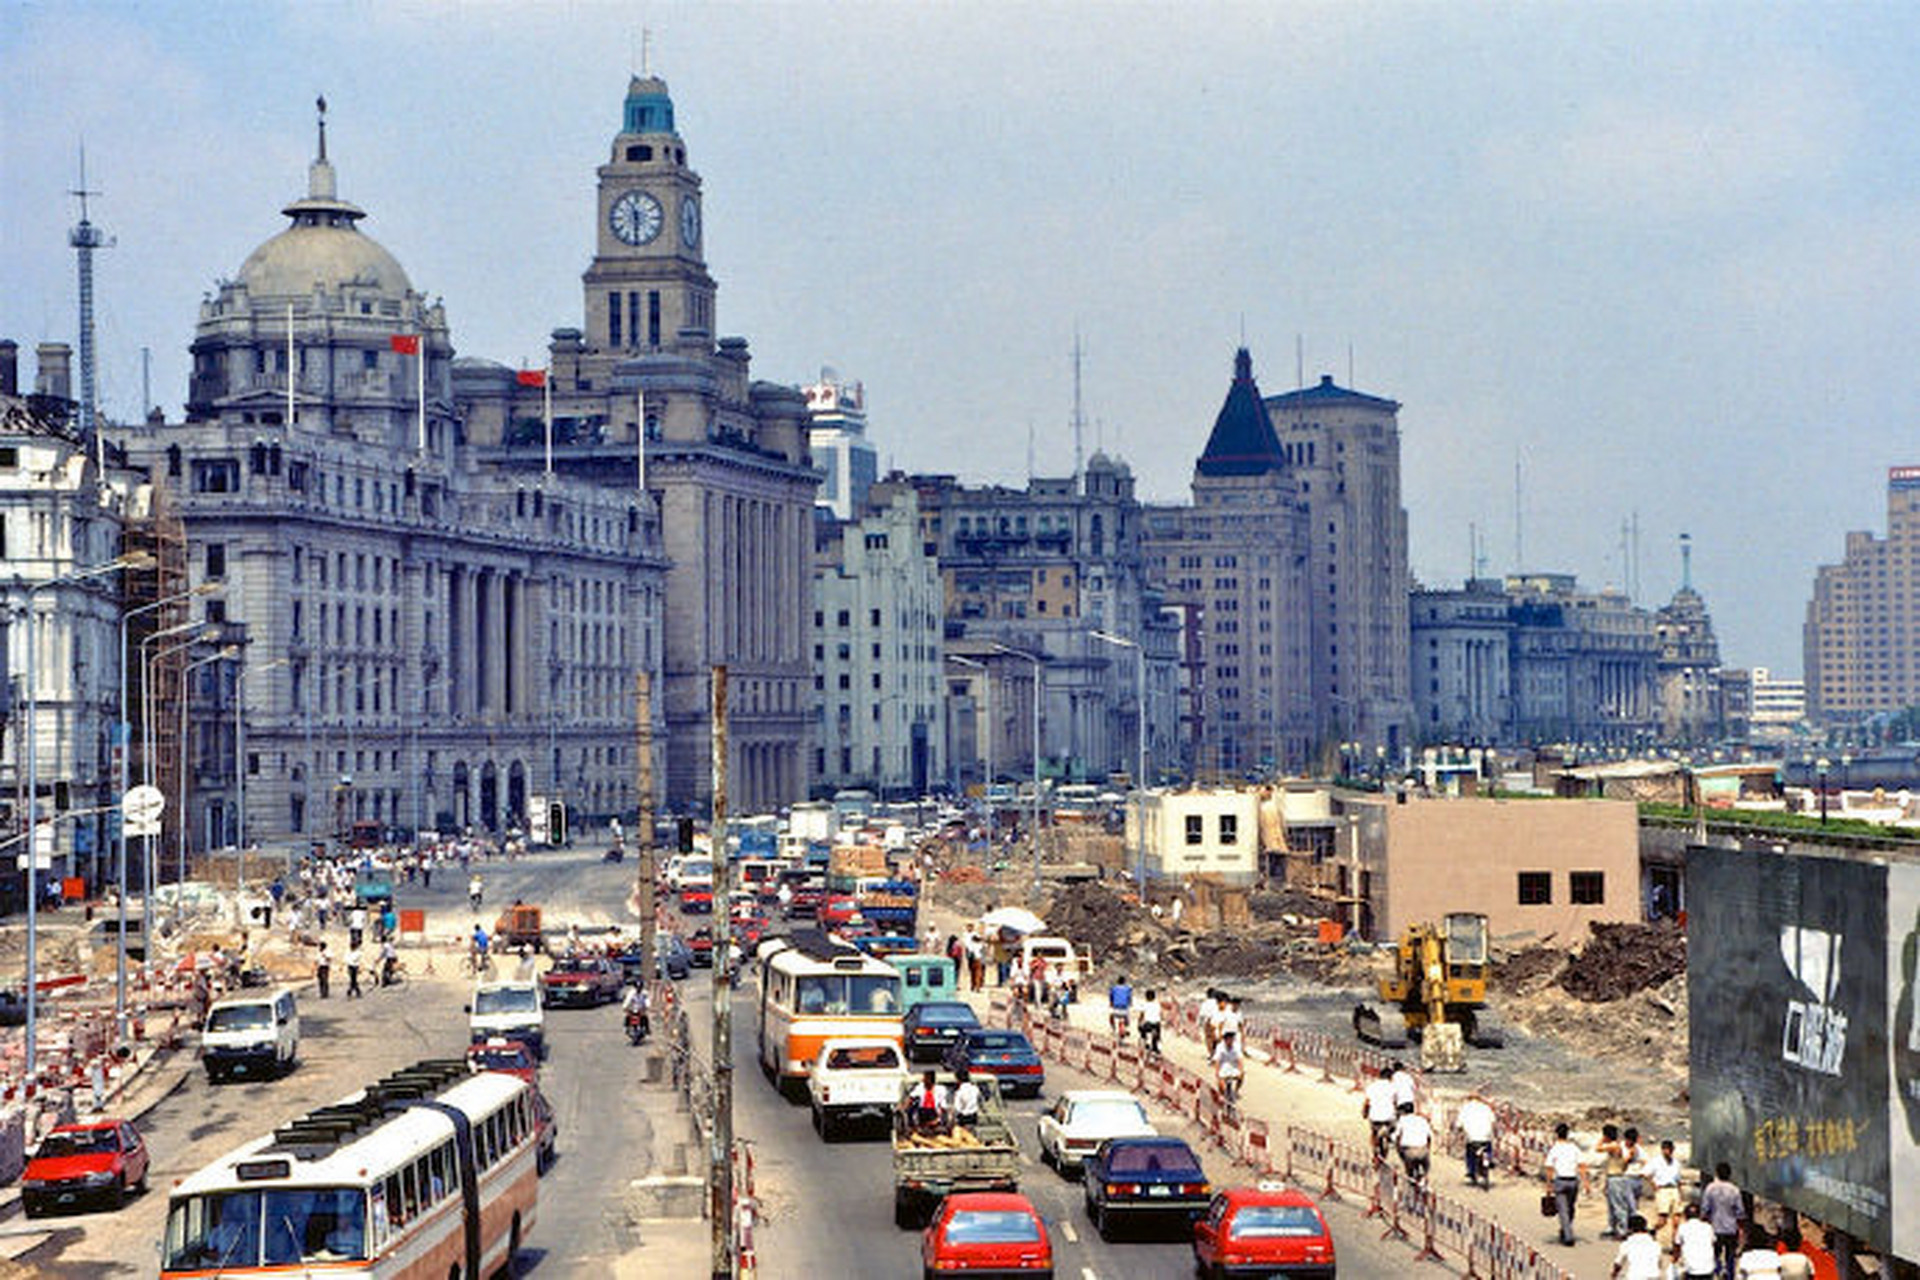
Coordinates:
(1769, 820)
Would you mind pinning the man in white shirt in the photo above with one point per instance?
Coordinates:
(1638, 1257)
(1403, 1090)
(1150, 1022)
(1693, 1245)
(1226, 1067)
(1377, 1107)
(1413, 1136)
(1229, 1019)
(1663, 1172)
(1475, 1122)
(1210, 1021)
(966, 1101)
(1564, 1158)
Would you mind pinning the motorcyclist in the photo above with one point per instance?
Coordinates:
(635, 1007)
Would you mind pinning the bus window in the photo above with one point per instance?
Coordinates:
(214, 1231)
(396, 1207)
(876, 994)
(409, 1195)
(317, 1224)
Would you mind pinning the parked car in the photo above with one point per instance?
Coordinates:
(1271, 1229)
(1006, 1055)
(509, 1057)
(930, 1029)
(581, 980)
(1080, 1120)
(995, 1232)
(1144, 1179)
(100, 1161)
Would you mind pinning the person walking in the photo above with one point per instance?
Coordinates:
(1693, 1251)
(323, 970)
(1725, 1210)
(1663, 1173)
(356, 926)
(1210, 1020)
(1413, 1139)
(1564, 1158)
(1404, 1090)
(388, 958)
(353, 970)
(1638, 1257)
(1150, 1022)
(1475, 1122)
(1376, 1105)
(1619, 1197)
(976, 961)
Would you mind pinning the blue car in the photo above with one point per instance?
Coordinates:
(1007, 1056)
(931, 1026)
(1155, 1180)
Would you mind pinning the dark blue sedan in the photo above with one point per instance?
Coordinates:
(932, 1025)
(1144, 1180)
(1008, 1056)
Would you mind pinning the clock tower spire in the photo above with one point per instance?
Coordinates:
(647, 289)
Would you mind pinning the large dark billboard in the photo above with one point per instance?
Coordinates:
(1795, 966)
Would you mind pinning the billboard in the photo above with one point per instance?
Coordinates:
(1805, 1056)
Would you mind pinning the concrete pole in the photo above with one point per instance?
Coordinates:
(720, 1146)
(33, 833)
(645, 888)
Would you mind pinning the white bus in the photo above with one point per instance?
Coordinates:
(429, 1173)
(814, 989)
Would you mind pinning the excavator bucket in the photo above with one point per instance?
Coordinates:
(1385, 1028)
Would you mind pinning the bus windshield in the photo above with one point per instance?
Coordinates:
(254, 1228)
(839, 993)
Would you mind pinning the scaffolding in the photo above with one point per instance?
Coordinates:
(157, 531)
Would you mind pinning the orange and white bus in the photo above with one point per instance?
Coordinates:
(428, 1173)
(814, 988)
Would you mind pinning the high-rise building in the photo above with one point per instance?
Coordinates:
(878, 624)
(837, 437)
(428, 638)
(1344, 450)
(645, 396)
(1862, 632)
(1779, 704)
(1237, 561)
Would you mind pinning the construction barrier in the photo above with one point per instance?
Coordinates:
(746, 1206)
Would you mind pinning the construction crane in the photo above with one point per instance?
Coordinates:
(1437, 993)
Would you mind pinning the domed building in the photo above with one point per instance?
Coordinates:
(429, 639)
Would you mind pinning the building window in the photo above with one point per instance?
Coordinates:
(1196, 828)
(1536, 888)
(216, 560)
(1587, 888)
(1229, 828)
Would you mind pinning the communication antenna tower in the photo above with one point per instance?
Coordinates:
(85, 238)
(1079, 418)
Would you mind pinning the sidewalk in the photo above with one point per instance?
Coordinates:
(1281, 1098)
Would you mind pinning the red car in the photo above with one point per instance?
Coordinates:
(581, 980)
(986, 1232)
(838, 909)
(1271, 1229)
(509, 1057)
(101, 1160)
(696, 899)
(700, 943)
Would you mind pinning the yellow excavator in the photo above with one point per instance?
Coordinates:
(1437, 993)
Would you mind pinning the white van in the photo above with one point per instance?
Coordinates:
(508, 1008)
(251, 1033)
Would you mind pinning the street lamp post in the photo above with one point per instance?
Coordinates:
(123, 770)
(31, 615)
(1822, 764)
(1034, 810)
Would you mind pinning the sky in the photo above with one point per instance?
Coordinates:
(1658, 258)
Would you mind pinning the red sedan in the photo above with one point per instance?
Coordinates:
(1272, 1229)
(101, 1160)
(992, 1233)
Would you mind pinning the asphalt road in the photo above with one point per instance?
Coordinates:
(827, 1209)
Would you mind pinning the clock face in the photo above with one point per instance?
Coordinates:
(635, 218)
(690, 222)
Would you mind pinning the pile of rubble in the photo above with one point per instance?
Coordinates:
(1528, 969)
(1621, 960)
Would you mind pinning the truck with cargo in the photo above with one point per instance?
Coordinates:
(927, 1168)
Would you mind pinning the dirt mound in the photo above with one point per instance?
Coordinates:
(1622, 959)
(1526, 968)
(1089, 915)
(1274, 905)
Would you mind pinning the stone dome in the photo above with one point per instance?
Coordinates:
(322, 248)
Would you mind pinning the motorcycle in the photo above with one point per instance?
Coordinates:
(614, 854)
(473, 899)
(638, 1027)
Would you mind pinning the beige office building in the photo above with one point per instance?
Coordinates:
(1864, 619)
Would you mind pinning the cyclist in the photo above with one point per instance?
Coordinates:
(1150, 1022)
(1119, 1006)
(1227, 1069)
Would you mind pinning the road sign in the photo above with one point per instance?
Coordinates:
(143, 806)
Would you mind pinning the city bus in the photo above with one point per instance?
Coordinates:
(428, 1173)
(814, 988)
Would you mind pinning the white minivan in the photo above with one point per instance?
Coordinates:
(511, 1009)
(251, 1033)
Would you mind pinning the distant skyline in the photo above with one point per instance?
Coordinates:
(1662, 255)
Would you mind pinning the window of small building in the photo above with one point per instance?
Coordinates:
(1196, 828)
(1587, 888)
(1536, 888)
(1229, 828)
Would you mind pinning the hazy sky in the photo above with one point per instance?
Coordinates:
(1662, 254)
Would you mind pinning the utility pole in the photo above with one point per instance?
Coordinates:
(720, 1146)
(643, 896)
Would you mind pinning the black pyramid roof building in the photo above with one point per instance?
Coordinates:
(1243, 442)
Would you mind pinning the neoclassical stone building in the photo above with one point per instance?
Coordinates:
(428, 637)
(645, 396)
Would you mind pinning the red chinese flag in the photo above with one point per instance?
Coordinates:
(533, 377)
(407, 344)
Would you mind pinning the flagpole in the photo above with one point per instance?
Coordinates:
(640, 443)
(420, 385)
(546, 388)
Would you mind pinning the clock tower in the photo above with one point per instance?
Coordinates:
(647, 289)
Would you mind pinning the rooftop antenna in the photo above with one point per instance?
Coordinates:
(85, 238)
(1079, 418)
(646, 51)
(1029, 452)
(320, 106)
(1299, 362)
(1636, 555)
(1519, 519)
(1686, 562)
(1350, 381)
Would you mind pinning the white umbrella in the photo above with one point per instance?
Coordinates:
(1016, 919)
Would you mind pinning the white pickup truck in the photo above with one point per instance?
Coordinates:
(853, 1078)
(1062, 960)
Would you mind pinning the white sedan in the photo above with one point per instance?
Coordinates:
(1080, 1120)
